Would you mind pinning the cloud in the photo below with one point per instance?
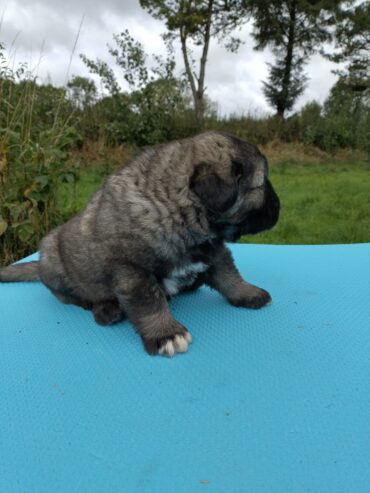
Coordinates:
(321, 79)
(49, 29)
(234, 79)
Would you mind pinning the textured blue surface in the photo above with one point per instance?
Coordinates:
(275, 400)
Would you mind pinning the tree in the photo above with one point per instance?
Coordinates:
(347, 114)
(143, 115)
(294, 30)
(82, 92)
(352, 41)
(197, 21)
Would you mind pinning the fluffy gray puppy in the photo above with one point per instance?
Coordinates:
(158, 227)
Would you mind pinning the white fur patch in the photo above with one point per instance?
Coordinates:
(171, 286)
(181, 277)
(180, 344)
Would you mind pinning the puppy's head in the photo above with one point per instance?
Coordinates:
(230, 179)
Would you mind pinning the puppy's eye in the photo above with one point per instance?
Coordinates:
(237, 170)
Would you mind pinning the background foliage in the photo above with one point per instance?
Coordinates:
(58, 143)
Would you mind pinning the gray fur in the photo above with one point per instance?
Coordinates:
(26, 271)
(157, 227)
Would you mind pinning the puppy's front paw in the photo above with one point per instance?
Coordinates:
(252, 297)
(168, 346)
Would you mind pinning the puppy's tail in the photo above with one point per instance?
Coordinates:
(26, 271)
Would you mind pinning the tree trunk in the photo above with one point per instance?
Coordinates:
(188, 71)
(203, 62)
(197, 83)
(199, 108)
(282, 103)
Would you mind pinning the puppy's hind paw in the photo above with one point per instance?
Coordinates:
(107, 312)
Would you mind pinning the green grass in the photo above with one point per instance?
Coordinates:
(319, 203)
(73, 198)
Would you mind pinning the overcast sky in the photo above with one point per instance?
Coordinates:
(49, 27)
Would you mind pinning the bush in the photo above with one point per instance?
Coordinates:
(347, 119)
(35, 143)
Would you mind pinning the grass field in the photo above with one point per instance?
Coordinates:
(320, 203)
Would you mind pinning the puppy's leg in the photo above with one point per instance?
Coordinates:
(145, 304)
(224, 276)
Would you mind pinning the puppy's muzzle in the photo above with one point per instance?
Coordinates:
(266, 216)
(256, 220)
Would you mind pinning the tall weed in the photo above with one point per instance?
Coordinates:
(34, 156)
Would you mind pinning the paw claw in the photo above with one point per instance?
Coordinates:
(169, 346)
(167, 349)
(188, 337)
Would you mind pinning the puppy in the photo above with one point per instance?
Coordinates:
(156, 228)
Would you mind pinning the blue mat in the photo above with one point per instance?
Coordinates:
(273, 400)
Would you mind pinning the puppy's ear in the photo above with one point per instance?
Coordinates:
(215, 193)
